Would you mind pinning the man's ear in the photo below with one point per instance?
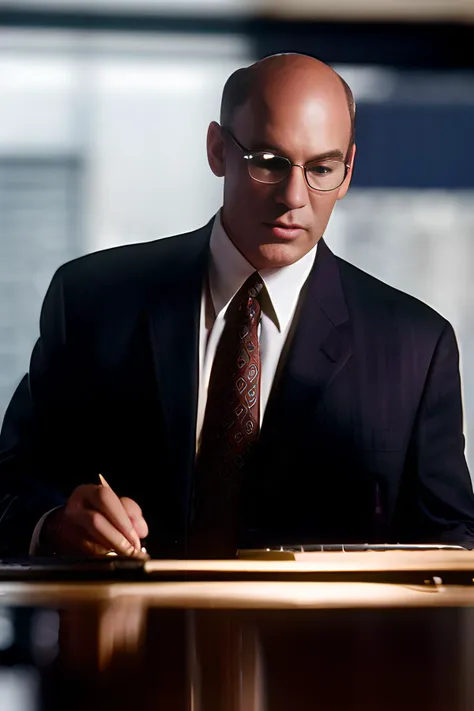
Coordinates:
(216, 149)
(345, 186)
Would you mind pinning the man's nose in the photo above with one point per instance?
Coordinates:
(293, 190)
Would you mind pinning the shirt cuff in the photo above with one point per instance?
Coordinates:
(35, 538)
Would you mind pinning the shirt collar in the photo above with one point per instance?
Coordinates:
(229, 269)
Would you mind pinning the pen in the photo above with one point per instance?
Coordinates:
(104, 483)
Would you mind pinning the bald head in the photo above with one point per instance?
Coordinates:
(287, 76)
(285, 110)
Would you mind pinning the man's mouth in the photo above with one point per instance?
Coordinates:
(285, 230)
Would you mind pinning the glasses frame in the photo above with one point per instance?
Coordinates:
(248, 154)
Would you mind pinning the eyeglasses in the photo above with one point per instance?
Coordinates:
(267, 167)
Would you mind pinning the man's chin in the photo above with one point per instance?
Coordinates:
(276, 255)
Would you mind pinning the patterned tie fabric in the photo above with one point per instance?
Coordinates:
(230, 430)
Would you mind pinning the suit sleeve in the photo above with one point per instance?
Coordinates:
(437, 504)
(32, 437)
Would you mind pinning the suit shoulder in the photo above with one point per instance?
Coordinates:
(131, 263)
(378, 297)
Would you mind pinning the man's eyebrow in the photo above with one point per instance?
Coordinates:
(335, 154)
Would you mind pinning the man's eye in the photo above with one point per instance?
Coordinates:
(320, 169)
(269, 161)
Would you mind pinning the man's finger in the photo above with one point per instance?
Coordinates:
(99, 529)
(140, 526)
(104, 500)
(134, 512)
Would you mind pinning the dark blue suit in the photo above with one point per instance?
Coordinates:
(361, 441)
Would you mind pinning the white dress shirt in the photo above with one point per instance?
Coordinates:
(228, 270)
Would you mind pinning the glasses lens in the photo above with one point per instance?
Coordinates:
(268, 168)
(327, 175)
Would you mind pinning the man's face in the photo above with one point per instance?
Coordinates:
(300, 123)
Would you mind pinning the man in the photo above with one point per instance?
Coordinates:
(240, 385)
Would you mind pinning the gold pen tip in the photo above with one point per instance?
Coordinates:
(102, 481)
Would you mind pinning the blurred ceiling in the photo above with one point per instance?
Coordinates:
(364, 10)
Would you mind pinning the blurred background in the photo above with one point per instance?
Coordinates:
(104, 106)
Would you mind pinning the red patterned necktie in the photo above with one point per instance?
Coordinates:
(230, 429)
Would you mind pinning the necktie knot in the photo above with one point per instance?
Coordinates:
(247, 296)
(256, 288)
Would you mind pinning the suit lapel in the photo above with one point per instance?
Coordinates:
(174, 316)
(318, 347)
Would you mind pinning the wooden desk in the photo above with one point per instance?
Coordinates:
(254, 636)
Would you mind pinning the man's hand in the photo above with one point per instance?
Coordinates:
(94, 522)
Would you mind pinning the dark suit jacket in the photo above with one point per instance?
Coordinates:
(361, 440)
